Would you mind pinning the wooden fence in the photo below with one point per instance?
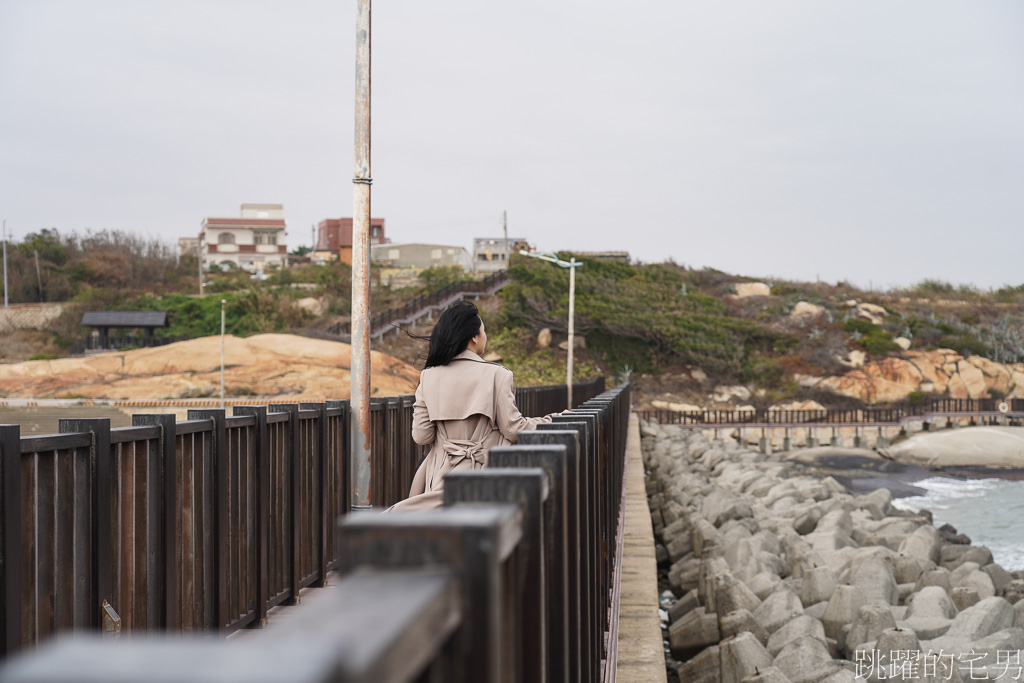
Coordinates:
(200, 525)
(513, 580)
(893, 414)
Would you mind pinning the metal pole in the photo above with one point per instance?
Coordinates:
(6, 305)
(360, 350)
(199, 257)
(572, 312)
(222, 302)
(504, 224)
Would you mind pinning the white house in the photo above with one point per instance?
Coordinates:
(252, 242)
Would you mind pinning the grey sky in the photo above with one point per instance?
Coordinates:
(872, 141)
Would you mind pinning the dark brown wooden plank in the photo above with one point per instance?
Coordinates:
(258, 506)
(45, 544)
(64, 536)
(83, 566)
(187, 524)
(30, 521)
(134, 433)
(11, 538)
(52, 442)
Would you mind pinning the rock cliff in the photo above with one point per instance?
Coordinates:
(268, 365)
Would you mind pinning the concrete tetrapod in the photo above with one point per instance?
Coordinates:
(742, 656)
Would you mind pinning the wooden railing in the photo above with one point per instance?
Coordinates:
(889, 415)
(421, 304)
(197, 525)
(513, 580)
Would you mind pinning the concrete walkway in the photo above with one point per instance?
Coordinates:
(641, 655)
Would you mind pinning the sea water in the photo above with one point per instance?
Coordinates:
(990, 511)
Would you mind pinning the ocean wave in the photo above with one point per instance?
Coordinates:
(987, 510)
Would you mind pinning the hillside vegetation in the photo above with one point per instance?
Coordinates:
(704, 328)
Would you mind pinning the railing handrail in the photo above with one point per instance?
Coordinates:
(422, 303)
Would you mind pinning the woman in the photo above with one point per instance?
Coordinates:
(464, 405)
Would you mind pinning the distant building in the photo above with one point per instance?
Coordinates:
(622, 256)
(489, 254)
(188, 246)
(420, 256)
(334, 238)
(252, 242)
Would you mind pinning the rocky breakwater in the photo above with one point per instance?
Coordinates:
(775, 574)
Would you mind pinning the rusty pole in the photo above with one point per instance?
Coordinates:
(360, 363)
(572, 317)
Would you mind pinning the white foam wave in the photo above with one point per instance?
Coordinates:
(987, 510)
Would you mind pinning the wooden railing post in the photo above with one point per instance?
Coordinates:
(527, 487)
(170, 547)
(262, 511)
(474, 542)
(221, 493)
(589, 546)
(102, 548)
(324, 525)
(343, 464)
(293, 452)
(10, 539)
(563, 542)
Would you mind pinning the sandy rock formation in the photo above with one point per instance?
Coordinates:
(804, 310)
(268, 365)
(941, 371)
(745, 289)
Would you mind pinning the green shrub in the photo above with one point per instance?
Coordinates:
(42, 356)
(879, 343)
(858, 325)
(966, 345)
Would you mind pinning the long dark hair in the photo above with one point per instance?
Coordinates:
(459, 323)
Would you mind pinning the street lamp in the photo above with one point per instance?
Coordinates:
(222, 303)
(572, 264)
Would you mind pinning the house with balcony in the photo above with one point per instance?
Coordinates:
(253, 241)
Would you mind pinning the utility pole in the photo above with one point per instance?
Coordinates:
(504, 223)
(223, 302)
(360, 350)
(199, 258)
(572, 326)
(39, 276)
(6, 305)
(572, 265)
(312, 239)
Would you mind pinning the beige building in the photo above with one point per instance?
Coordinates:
(420, 256)
(490, 254)
(188, 246)
(253, 241)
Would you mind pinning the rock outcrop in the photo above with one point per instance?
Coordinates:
(269, 365)
(941, 371)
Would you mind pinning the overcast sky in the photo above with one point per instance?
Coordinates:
(873, 141)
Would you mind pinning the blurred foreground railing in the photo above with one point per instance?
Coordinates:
(513, 580)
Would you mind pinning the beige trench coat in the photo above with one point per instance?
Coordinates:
(462, 410)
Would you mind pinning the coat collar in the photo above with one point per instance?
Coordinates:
(469, 355)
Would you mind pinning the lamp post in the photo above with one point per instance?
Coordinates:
(5, 263)
(572, 264)
(222, 303)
